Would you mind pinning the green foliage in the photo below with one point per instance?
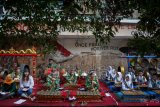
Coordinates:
(43, 20)
(145, 45)
(147, 37)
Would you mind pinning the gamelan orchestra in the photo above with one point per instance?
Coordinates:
(73, 83)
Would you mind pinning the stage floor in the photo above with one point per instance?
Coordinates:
(107, 101)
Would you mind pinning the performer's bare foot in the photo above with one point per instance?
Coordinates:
(32, 98)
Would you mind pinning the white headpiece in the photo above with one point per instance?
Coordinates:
(130, 79)
(84, 74)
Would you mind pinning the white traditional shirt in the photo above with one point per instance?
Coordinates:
(154, 84)
(141, 79)
(29, 83)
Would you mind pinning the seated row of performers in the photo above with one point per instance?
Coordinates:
(8, 81)
(18, 84)
(14, 72)
(143, 80)
(59, 78)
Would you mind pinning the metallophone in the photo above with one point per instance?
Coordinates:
(88, 95)
(46, 95)
(118, 86)
(142, 87)
(157, 91)
(71, 86)
(133, 96)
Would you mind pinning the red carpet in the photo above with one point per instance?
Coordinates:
(107, 101)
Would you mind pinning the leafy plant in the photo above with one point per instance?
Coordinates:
(39, 22)
(147, 37)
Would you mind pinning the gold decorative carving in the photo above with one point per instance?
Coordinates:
(13, 51)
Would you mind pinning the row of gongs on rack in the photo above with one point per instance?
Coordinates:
(145, 63)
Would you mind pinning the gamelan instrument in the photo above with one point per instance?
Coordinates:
(132, 96)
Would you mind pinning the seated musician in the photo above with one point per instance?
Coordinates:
(92, 82)
(112, 75)
(79, 71)
(50, 63)
(9, 87)
(127, 83)
(13, 70)
(17, 74)
(117, 82)
(108, 73)
(154, 83)
(119, 78)
(95, 83)
(47, 72)
(26, 84)
(82, 80)
(62, 75)
(66, 75)
(147, 75)
(73, 77)
(141, 80)
(131, 71)
(49, 80)
(53, 80)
